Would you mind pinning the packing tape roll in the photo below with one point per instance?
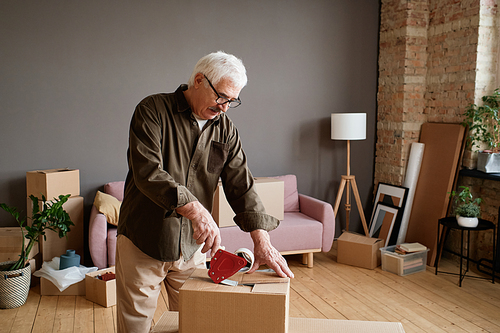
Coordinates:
(248, 256)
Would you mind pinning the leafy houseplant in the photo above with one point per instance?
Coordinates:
(483, 123)
(50, 216)
(468, 207)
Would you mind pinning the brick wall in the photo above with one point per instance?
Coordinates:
(402, 85)
(436, 57)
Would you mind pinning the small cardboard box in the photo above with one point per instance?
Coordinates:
(99, 291)
(53, 246)
(53, 182)
(271, 192)
(47, 288)
(358, 250)
(259, 303)
(403, 264)
(10, 244)
(169, 323)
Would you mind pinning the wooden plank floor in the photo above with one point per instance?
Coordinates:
(423, 302)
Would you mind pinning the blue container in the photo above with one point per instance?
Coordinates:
(70, 259)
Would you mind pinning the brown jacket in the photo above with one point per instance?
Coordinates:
(171, 163)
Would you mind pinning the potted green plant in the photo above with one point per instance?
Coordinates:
(467, 210)
(484, 130)
(46, 215)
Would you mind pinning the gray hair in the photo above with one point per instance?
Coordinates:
(219, 65)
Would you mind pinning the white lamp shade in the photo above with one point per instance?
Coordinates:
(348, 126)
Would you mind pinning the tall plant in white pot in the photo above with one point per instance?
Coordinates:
(467, 211)
(15, 276)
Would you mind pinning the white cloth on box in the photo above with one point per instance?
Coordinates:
(62, 279)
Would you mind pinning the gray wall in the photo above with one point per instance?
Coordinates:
(73, 71)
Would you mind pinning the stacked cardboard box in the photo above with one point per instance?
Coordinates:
(259, 303)
(271, 193)
(52, 183)
(169, 323)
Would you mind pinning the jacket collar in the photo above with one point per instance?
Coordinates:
(183, 104)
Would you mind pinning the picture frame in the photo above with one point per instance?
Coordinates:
(386, 223)
(391, 195)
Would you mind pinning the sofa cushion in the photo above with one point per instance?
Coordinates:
(291, 193)
(116, 189)
(109, 206)
(296, 232)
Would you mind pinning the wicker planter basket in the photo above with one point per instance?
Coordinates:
(14, 286)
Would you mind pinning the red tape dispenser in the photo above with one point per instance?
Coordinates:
(224, 265)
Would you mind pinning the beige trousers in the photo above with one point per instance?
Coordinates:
(138, 284)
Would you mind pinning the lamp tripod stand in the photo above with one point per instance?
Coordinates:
(347, 182)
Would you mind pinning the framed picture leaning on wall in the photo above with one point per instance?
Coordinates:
(386, 223)
(391, 195)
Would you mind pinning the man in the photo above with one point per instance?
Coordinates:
(180, 144)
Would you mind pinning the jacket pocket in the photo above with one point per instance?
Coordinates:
(217, 157)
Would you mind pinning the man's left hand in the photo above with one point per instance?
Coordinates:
(266, 254)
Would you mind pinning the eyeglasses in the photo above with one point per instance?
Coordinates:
(232, 103)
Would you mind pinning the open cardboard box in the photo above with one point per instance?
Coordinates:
(47, 288)
(259, 303)
(53, 182)
(169, 323)
(358, 250)
(99, 291)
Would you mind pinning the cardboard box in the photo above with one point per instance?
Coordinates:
(47, 288)
(271, 192)
(403, 264)
(358, 250)
(53, 182)
(10, 244)
(169, 323)
(259, 303)
(313, 325)
(99, 291)
(53, 246)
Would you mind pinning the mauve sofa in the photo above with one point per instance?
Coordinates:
(308, 226)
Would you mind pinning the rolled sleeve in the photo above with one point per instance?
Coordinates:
(184, 196)
(250, 221)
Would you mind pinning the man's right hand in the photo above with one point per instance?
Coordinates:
(205, 230)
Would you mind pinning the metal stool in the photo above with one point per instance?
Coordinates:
(451, 223)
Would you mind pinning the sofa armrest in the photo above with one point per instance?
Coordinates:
(321, 211)
(98, 233)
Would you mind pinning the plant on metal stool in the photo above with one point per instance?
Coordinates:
(468, 209)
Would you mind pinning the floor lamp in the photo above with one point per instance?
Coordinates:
(349, 126)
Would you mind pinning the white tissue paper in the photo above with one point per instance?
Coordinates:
(62, 279)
